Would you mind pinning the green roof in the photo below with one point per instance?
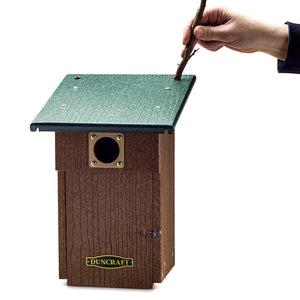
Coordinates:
(115, 103)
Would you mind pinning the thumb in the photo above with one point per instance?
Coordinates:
(209, 33)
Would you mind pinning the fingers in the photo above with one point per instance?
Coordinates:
(212, 34)
(215, 16)
(211, 46)
(182, 53)
(187, 32)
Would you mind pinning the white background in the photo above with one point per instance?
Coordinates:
(237, 147)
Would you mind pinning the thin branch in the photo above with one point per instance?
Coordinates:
(189, 47)
(193, 53)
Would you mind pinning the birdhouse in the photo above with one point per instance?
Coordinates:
(114, 155)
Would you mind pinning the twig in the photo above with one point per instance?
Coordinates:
(189, 47)
(193, 53)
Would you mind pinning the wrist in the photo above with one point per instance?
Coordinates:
(275, 41)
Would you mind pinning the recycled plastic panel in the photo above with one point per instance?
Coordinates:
(106, 211)
(109, 218)
(115, 103)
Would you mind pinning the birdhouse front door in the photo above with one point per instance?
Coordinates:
(107, 215)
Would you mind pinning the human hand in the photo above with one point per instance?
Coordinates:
(222, 27)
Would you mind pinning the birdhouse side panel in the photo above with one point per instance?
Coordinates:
(62, 235)
(164, 208)
(167, 199)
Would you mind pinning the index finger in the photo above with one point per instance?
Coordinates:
(187, 32)
(214, 16)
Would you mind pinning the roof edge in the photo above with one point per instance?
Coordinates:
(78, 127)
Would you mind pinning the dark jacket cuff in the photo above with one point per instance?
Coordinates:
(292, 62)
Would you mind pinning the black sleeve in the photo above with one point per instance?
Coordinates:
(292, 62)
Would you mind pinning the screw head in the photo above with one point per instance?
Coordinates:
(157, 232)
(120, 164)
(93, 136)
(93, 163)
(119, 138)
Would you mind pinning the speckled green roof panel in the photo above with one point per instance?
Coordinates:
(115, 103)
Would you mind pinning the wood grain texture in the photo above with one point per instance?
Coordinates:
(141, 151)
(164, 208)
(106, 211)
(167, 201)
(126, 103)
(62, 224)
